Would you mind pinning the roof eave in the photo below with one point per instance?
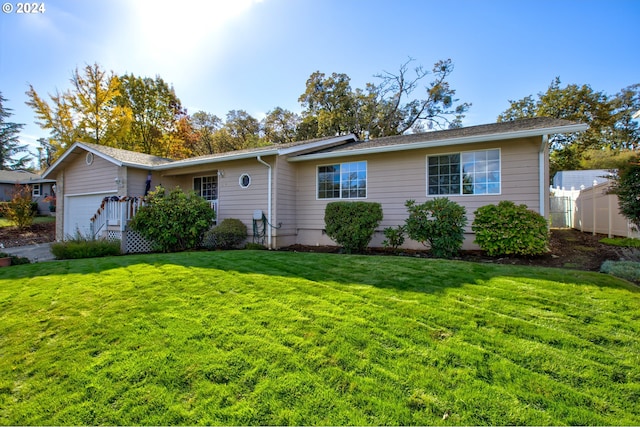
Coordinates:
(443, 142)
(209, 160)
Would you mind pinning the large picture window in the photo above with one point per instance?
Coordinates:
(470, 172)
(343, 181)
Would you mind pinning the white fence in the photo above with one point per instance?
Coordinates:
(591, 210)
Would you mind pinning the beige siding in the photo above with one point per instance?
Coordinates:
(393, 178)
(238, 202)
(82, 178)
(233, 200)
(136, 181)
(285, 215)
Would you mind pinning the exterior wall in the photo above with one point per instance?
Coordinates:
(81, 178)
(285, 215)
(393, 178)
(233, 200)
(135, 181)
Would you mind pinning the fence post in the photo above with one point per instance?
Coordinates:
(593, 190)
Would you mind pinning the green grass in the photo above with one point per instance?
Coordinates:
(258, 337)
(4, 222)
(627, 242)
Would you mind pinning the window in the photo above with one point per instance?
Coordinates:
(206, 187)
(245, 180)
(470, 172)
(36, 190)
(343, 181)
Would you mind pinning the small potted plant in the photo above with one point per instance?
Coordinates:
(5, 260)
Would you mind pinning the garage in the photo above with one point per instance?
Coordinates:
(78, 210)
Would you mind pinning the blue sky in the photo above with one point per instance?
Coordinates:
(222, 55)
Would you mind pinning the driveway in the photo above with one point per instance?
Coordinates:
(36, 253)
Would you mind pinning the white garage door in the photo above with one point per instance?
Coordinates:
(78, 211)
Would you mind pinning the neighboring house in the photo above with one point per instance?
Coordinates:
(291, 184)
(40, 187)
(577, 179)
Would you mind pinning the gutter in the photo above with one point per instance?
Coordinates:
(544, 146)
(259, 159)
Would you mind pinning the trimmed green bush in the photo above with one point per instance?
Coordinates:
(229, 234)
(628, 270)
(175, 221)
(352, 224)
(394, 237)
(79, 248)
(439, 223)
(510, 229)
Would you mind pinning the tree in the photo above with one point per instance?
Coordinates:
(9, 142)
(155, 111)
(59, 120)
(627, 187)
(204, 126)
(609, 119)
(331, 107)
(331, 102)
(93, 98)
(395, 117)
(280, 126)
(88, 112)
(243, 129)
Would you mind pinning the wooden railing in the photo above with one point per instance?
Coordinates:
(118, 211)
(115, 211)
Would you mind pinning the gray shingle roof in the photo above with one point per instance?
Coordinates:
(128, 157)
(465, 132)
(19, 176)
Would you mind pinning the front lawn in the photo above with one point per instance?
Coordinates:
(258, 337)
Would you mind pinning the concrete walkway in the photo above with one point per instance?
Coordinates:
(36, 253)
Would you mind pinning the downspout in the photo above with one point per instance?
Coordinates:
(259, 158)
(543, 147)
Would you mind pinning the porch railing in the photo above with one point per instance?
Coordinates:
(118, 211)
(115, 211)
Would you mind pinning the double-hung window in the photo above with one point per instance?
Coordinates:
(468, 172)
(343, 181)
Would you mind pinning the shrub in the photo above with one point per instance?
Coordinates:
(394, 237)
(15, 260)
(20, 210)
(85, 247)
(628, 270)
(175, 221)
(352, 224)
(510, 229)
(229, 234)
(440, 222)
(627, 187)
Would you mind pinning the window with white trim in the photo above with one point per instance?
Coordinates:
(343, 181)
(466, 173)
(36, 190)
(206, 187)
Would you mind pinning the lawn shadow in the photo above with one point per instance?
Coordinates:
(425, 275)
